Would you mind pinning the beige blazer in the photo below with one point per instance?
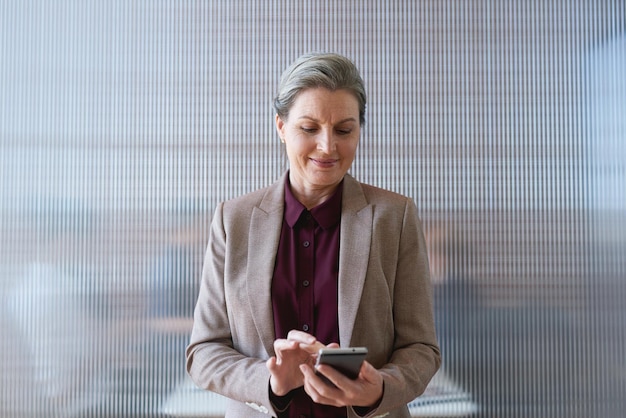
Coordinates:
(385, 301)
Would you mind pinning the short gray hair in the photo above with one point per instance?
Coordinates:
(312, 70)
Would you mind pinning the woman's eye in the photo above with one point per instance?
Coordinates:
(308, 130)
(344, 131)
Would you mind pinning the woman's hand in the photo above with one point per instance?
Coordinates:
(364, 391)
(299, 348)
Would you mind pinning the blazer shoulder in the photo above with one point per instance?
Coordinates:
(246, 201)
(378, 195)
(268, 199)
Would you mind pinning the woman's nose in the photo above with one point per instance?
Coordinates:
(326, 142)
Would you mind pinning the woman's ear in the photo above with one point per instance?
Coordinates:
(280, 128)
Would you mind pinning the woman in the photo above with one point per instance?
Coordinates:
(316, 259)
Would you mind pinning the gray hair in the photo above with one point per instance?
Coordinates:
(328, 70)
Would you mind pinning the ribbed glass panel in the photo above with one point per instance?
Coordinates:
(123, 124)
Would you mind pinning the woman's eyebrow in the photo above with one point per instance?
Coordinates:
(311, 118)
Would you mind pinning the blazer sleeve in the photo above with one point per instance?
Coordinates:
(414, 357)
(213, 363)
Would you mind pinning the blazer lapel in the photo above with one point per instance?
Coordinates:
(354, 249)
(265, 226)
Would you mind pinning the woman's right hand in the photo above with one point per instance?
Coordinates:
(299, 348)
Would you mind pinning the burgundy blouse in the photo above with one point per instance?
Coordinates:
(304, 286)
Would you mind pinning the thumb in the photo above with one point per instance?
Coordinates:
(369, 372)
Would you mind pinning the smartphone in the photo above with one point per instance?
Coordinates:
(346, 360)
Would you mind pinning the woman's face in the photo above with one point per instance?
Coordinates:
(321, 136)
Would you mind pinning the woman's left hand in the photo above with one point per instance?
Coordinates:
(364, 391)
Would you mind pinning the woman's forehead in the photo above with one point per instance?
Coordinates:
(321, 103)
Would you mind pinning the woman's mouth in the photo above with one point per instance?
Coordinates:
(324, 162)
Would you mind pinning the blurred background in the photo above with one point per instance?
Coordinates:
(122, 124)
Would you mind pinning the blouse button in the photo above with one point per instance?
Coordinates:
(305, 327)
(306, 244)
(305, 283)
